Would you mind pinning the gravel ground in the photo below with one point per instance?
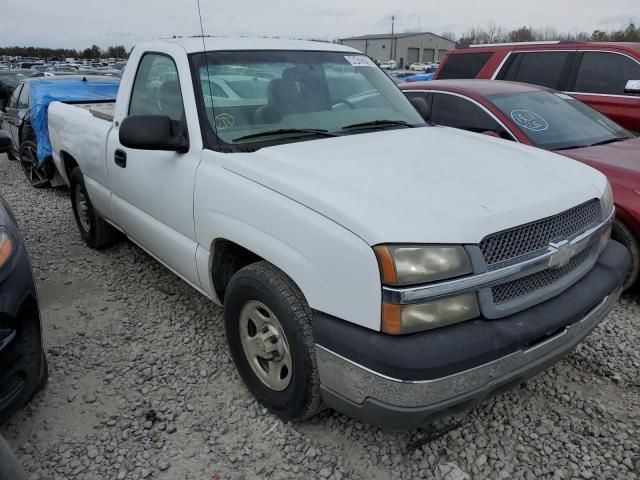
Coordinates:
(142, 386)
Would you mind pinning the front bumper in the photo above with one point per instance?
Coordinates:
(450, 369)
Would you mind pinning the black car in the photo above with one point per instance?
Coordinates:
(15, 121)
(23, 365)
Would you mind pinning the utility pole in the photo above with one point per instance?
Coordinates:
(393, 21)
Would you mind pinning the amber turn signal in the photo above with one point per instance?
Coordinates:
(387, 269)
(391, 319)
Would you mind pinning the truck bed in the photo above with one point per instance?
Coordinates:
(80, 130)
(102, 110)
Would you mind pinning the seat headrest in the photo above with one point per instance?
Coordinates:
(282, 92)
(170, 87)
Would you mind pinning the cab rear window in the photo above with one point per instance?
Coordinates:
(465, 65)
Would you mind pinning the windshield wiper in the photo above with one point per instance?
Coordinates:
(604, 142)
(611, 140)
(379, 123)
(287, 131)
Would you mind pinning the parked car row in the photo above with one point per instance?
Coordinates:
(393, 292)
(603, 75)
(111, 68)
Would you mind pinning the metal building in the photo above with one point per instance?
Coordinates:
(404, 48)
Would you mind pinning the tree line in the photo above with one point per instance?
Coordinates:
(493, 33)
(92, 52)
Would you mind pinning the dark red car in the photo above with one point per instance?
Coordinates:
(598, 74)
(548, 119)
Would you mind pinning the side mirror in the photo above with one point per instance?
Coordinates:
(153, 132)
(632, 87)
(421, 105)
(6, 143)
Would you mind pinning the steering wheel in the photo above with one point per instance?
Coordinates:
(343, 101)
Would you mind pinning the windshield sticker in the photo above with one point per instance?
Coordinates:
(224, 121)
(529, 120)
(360, 61)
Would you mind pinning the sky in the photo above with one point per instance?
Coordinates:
(80, 23)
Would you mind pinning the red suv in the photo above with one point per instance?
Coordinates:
(603, 75)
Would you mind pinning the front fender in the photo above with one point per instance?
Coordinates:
(336, 270)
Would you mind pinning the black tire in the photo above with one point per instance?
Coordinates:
(262, 282)
(95, 232)
(11, 156)
(30, 371)
(621, 233)
(38, 176)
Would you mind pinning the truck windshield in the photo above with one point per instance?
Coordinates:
(555, 121)
(258, 98)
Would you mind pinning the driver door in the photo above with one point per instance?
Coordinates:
(152, 190)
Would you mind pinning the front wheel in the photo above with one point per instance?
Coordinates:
(37, 175)
(623, 234)
(268, 327)
(95, 232)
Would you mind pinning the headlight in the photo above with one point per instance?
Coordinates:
(6, 247)
(413, 264)
(403, 319)
(607, 200)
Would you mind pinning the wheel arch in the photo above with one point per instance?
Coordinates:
(628, 219)
(68, 163)
(227, 256)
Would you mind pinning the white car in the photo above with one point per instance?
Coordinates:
(388, 65)
(418, 67)
(390, 287)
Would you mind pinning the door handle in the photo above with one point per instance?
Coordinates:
(120, 158)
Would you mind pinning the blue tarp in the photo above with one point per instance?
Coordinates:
(42, 93)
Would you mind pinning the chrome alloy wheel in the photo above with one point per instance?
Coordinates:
(265, 345)
(82, 205)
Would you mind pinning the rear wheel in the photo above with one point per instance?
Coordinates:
(94, 230)
(37, 175)
(623, 234)
(268, 327)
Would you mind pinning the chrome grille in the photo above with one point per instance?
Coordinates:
(533, 237)
(527, 285)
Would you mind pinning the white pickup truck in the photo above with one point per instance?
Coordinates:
(289, 182)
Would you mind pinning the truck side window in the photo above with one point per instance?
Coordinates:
(156, 90)
(457, 112)
(602, 72)
(539, 68)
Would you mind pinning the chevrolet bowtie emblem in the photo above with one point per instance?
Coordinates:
(561, 253)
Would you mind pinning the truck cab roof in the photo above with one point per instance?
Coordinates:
(195, 44)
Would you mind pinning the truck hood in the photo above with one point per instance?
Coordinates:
(422, 185)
